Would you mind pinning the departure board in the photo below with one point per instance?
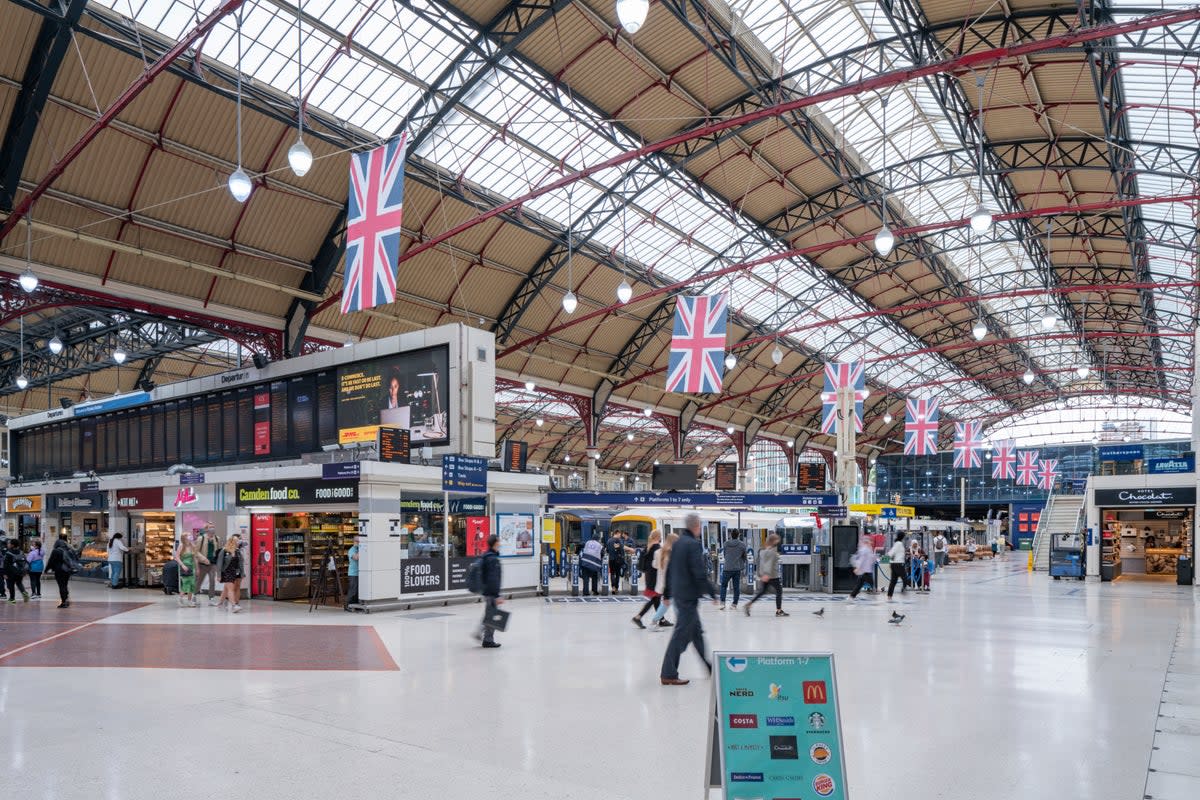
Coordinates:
(327, 429)
(199, 431)
(726, 477)
(514, 455)
(213, 414)
(279, 419)
(122, 439)
(810, 476)
(185, 431)
(148, 445)
(171, 435)
(394, 445)
(87, 441)
(108, 440)
(262, 421)
(245, 423)
(300, 398)
(228, 425)
(158, 437)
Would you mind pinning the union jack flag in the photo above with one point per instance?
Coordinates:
(920, 426)
(968, 445)
(1004, 461)
(373, 225)
(1027, 468)
(696, 363)
(837, 375)
(1047, 472)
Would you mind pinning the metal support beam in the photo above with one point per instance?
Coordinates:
(53, 40)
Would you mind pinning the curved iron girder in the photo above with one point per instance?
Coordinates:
(49, 49)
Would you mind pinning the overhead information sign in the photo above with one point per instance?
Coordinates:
(883, 510)
(718, 499)
(776, 730)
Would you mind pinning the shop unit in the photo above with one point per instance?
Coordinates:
(149, 531)
(83, 516)
(303, 540)
(1145, 525)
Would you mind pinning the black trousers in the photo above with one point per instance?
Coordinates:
(489, 633)
(588, 577)
(615, 568)
(35, 583)
(352, 589)
(653, 602)
(863, 580)
(771, 584)
(16, 584)
(898, 575)
(687, 631)
(62, 579)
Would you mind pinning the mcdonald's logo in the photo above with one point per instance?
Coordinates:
(814, 693)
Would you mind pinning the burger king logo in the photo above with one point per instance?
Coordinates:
(820, 753)
(823, 785)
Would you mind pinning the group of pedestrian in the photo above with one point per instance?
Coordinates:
(16, 565)
(207, 560)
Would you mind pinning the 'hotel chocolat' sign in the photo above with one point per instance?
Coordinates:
(1178, 496)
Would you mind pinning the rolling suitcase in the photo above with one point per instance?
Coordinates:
(170, 578)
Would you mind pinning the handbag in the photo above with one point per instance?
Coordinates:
(496, 619)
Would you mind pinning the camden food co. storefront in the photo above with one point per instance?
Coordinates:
(1145, 532)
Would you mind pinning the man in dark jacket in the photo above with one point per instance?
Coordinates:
(491, 590)
(688, 579)
(734, 566)
(62, 563)
(616, 560)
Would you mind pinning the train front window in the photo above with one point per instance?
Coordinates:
(638, 532)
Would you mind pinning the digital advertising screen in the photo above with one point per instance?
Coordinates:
(406, 390)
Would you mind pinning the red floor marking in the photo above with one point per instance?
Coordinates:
(23, 625)
(228, 646)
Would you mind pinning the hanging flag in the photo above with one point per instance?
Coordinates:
(697, 360)
(968, 446)
(1004, 460)
(920, 426)
(1027, 468)
(837, 375)
(1047, 472)
(373, 225)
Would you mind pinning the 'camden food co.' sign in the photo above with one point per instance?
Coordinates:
(297, 492)
(1180, 496)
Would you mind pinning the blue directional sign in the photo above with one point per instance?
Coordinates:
(683, 499)
(462, 473)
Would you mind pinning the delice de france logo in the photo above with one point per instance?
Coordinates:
(743, 720)
(745, 777)
(814, 693)
(820, 753)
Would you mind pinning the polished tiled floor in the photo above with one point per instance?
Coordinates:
(999, 684)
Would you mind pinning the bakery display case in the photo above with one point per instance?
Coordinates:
(159, 543)
(93, 561)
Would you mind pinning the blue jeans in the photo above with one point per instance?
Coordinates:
(114, 572)
(736, 577)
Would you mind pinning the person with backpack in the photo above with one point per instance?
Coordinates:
(863, 562)
(734, 566)
(15, 567)
(616, 560)
(590, 564)
(63, 564)
(489, 574)
(768, 573)
(648, 567)
(37, 565)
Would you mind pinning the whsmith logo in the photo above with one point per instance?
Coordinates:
(235, 377)
(267, 495)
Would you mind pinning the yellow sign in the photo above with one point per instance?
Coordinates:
(24, 504)
(876, 509)
(548, 533)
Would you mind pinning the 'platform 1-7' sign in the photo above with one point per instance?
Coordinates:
(776, 729)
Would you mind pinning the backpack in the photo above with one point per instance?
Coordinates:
(645, 561)
(475, 576)
(69, 563)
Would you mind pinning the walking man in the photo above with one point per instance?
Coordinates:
(896, 554)
(688, 579)
(939, 550)
(491, 590)
(735, 565)
(210, 547)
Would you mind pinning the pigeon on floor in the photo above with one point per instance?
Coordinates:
(820, 612)
(896, 619)
(895, 615)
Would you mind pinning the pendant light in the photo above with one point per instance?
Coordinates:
(28, 280)
(885, 240)
(300, 158)
(777, 355)
(887, 418)
(22, 381)
(624, 291)
(647, 411)
(55, 345)
(730, 361)
(1083, 370)
(119, 355)
(1049, 320)
(530, 386)
(979, 330)
(539, 422)
(981, 218)
(1028, 376)
(632, 14)
(239, 182)
(570, 302)
(629, 436)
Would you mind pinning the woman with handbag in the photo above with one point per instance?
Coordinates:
(661, 559)
(189, 559)
(229, 565)
(654, 599)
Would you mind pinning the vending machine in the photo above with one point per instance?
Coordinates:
(262, 544)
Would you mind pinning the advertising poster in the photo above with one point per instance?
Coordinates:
(478, 529)
(516, 534)
(422, 575)
(548, 532)
(409, 390)
(777, 730)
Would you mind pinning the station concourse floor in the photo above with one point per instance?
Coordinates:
(999, 684)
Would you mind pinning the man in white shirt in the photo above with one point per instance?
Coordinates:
(939, 550)
(896, 554)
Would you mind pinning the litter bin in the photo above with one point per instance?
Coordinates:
(1183, 571)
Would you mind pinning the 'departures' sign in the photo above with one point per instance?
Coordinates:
(776, 730)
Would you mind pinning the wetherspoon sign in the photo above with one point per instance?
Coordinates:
(776, 729)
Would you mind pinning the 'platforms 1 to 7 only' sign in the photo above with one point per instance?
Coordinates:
(776, 729)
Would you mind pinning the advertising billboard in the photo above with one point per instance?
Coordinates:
(406, 390)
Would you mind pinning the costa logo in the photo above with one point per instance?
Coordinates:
(743, 720)
(814, 693)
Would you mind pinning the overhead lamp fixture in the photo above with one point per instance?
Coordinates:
(119, 355)
(632, 14)
(1059, 404)
(539, 422)
(567, 459)
(55, 345)
(629, 436)
(729, 430)
(22, 381)
(699, 448)
(530, 386)
(791, 443)
(239, 182)
(979, 330)
(1028, 376)
(1049, 320)
(866, 393)
(624, 292)
(627, 465)
(570, 302)
(1083, 370)
(300, 158)
(1125, 438)
(885, 240)
(777, 355)
(28, 280)
(981, 218)
(887, 418)
(730, 361)
(647, 411)
(656, 462)
(1095, 440)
